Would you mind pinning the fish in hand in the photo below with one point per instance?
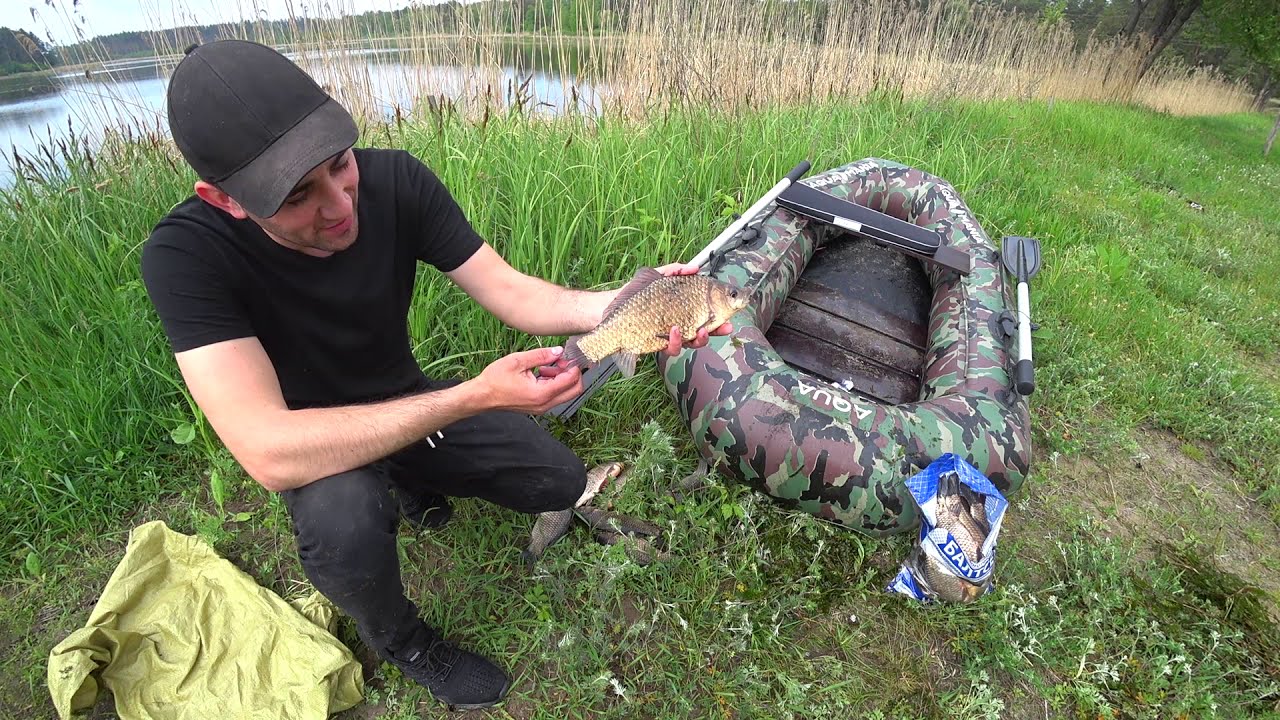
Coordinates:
(640, 318)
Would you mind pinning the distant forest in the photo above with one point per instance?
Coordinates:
(1239, 37)
(22, 51)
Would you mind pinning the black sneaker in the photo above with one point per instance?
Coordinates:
(462, 680)
(425, 512)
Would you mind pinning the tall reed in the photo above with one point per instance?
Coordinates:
(729, 53)
(648, 56)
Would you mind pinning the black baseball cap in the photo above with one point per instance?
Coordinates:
(251, 122)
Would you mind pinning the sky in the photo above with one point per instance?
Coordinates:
(58, 20)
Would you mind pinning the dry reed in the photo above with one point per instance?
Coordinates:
(727, 53)
(717, 54)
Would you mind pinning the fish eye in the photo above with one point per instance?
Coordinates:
(733, 293)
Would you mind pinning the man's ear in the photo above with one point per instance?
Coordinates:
(219, 199)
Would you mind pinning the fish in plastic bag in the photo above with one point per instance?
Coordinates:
(961, 512)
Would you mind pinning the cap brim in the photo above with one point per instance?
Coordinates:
(262, 186)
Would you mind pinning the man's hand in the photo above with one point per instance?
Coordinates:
(675, 340)
(510, 383)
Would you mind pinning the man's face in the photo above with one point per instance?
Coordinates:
(319, 216)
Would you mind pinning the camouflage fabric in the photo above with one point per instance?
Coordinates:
(839, 455)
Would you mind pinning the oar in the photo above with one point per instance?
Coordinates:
(594, 379)
(796, 173)
(1021, 258)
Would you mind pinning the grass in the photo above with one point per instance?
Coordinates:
(1155, 315)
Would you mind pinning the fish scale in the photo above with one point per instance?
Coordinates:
(640, 318)
(962, 527)
(641, 323)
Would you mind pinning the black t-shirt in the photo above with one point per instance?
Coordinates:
(335, 328)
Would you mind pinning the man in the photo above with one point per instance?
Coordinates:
(283, 287)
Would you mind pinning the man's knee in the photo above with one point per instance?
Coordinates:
(343, 516)
(556, 485)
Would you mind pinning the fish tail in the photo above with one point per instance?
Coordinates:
(573, 353)
(971, 496)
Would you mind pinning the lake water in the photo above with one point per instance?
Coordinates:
(133, 93)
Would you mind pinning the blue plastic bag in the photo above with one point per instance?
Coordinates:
(938, 568)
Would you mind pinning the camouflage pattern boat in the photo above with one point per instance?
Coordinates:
(855, 365)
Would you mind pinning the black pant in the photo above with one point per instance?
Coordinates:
(345, 525)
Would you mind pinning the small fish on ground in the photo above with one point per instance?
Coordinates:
(607, 521)
(637, 536)
(640, 318)
(640, 550)
(551, 526)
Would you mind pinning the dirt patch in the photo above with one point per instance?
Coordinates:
(1270, 370)
(1169, 490)
(632, 612)
(14, 694)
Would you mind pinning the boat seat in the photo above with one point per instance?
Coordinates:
(859, 314)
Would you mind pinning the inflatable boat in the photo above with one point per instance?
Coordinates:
(862, 357)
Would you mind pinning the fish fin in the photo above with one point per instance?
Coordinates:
(972, 505)
(530, 559)
(972, 502)
(980, 520)
(971, 496)
(947, 484)
(606, 537)
(626, 363)
(642, 279)
(573, 354)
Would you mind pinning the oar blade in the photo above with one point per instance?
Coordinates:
(1021, 256)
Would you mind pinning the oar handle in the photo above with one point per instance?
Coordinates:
(1024, 371)
(796, 173)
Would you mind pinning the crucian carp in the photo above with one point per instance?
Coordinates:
(640, 318)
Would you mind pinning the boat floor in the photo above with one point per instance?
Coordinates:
(858, 313)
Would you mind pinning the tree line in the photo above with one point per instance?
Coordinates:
(1241, 38)
(22, 51)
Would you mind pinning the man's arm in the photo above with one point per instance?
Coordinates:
(236, 387)
(528, 304)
